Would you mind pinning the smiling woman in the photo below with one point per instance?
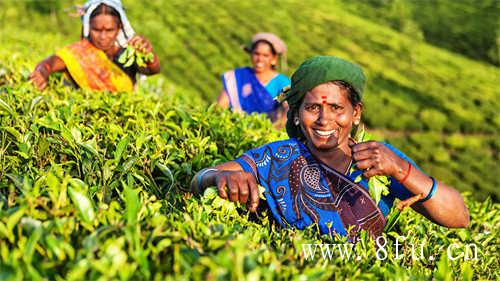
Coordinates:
(93, 63)
(255, 89)
(311, 177)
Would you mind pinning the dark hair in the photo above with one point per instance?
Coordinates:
(104, 9)
(254, 45)
(352, 95)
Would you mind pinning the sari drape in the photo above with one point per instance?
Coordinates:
(246, 93)
(91, 69)
(301, 191)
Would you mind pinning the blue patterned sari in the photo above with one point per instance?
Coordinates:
(301, 190)
(247, 94)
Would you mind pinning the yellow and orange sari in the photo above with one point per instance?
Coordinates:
(91, 69)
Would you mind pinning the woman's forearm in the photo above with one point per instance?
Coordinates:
(446, 207)
(53, 64)
(39, 77)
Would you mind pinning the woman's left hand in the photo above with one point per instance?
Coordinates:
(377, 159)
(141, 43)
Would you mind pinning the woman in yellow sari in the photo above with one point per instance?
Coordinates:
(92, 63)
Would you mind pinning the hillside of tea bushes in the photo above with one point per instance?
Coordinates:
(467, 27)
(90, 182)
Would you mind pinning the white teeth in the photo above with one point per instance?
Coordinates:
(325, 133)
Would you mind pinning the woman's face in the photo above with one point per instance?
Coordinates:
(103, 31)
(326, 116)
(263, 58)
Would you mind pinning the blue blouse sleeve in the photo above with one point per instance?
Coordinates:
(247, 161)
(279, 82)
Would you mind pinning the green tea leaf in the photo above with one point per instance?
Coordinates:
(7, 108)
(77, 193)
(14, 219)
(34, 103)
(377, 187)
(132, 204)
(29, 248)
(120, 148)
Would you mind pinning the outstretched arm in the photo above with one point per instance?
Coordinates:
(232, 183)
(446, 207)
(40, 76)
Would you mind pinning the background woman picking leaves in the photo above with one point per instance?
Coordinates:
(255, 89)
(107, 58)
(321, 175)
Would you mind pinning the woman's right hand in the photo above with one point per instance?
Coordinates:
(238, 186)
(39, 77)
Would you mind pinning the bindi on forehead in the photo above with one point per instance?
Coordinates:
(323, 98)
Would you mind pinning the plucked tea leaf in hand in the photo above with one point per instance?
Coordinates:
(377, 185)
(131, 55)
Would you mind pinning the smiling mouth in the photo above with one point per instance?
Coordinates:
(323, 133)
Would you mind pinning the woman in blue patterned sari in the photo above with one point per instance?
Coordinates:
(310, 178)
(255, 89)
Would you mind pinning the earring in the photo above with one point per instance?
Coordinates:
(356, 122)
(296, 121)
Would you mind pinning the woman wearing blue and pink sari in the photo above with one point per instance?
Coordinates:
(313, 177)
(255, 89)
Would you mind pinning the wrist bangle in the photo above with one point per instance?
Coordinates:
(407, 173)
(432, 192)
(199, 179)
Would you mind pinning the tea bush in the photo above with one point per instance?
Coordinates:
(90, 189)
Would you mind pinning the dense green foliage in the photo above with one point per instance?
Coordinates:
(90, 183)
(90, 186)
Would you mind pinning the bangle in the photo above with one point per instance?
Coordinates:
(407, 173)
(432, 192)
(202, 173)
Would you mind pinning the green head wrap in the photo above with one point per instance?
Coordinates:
(316, 71)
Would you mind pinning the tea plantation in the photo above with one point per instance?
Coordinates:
(91, 183)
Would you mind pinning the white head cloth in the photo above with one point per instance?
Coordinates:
(278, 44)
(126, 33)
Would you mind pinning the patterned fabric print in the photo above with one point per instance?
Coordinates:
(91, 69)
(300, 191)
(308, 193)
(354, 205)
